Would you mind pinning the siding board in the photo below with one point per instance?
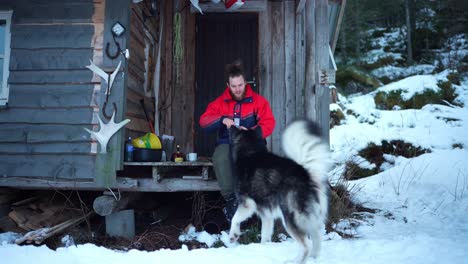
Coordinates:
(265, 58)
(40, 133)
(278, 72)
(51, 36)
(56, 166)
(46, 12)
(52, 76)
(290, 59)
(50, 59)
(47, 148)
(51, 96)
(49, 116)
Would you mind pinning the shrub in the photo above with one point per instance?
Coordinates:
(352, 79)
(387, 101)
(383, 61)
(354, 172)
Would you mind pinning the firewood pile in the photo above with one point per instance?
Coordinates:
(40, 219)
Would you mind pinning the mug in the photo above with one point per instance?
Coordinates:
(192, 156)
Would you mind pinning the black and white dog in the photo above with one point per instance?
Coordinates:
(293, 189)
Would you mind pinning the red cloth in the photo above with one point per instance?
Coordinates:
(255, 110)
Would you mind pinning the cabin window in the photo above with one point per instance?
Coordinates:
(5, 37)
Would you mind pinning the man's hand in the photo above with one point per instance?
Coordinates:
(228, 122)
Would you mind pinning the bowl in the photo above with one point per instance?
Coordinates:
(147, 155)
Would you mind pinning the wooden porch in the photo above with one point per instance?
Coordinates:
(53, 96)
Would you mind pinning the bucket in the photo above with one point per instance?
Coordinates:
(149, 141)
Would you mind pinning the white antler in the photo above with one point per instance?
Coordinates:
(106, 131)
(104, 74)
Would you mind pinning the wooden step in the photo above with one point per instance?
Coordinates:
(156, 172)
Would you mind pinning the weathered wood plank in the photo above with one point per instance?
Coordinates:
(52, 76)
(134, 85)
(137, 124)
(138, 75)
(135, 98)
(123, 184)
(51, 36)
(290, 61)
(37, 133)
(300, 64)
(189, 82)
(180, 92)
(59, 166)
(50, 59)
(136, 61)
(278, 72)
(310, 70)
(165, 102)
(48, 148)
(56, 12)
(51, 95)
(107, 164)
(322, 62)
(264, 22)
(68, 116)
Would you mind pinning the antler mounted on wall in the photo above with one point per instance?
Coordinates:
(106, 131)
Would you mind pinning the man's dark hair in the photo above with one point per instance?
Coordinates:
(234, 69)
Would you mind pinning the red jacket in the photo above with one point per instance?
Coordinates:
(254, 110)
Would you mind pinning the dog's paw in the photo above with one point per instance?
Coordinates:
(265, 240)
(233, 236)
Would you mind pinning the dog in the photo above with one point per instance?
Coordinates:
(293, 189)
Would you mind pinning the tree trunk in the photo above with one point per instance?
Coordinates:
(409, 44)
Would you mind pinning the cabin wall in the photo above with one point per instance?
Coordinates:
(176, 96)
(143, 46)
(52, 95)
(293, 45)
(281, 75)
(290, 55)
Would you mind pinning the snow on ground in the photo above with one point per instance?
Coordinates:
(422, 202)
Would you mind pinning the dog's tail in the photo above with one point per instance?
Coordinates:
(302, 143)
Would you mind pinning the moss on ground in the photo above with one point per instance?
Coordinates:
(446, 94)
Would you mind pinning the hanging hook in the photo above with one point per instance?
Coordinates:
(117, 53)
(104, 110)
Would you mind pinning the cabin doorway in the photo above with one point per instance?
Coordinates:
(221, 38)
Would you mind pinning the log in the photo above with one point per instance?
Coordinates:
(107, 204)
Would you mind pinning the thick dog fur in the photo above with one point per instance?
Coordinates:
(292, 189)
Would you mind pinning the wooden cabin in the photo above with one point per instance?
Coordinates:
(176, 66)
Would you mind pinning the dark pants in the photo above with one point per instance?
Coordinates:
(222, 166)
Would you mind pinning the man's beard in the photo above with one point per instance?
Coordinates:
(237, 98)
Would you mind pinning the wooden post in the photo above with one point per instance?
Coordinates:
(300, 62)
(322, 92)
(317, 95)
(264, 37)
(107, 164)
(310, 72)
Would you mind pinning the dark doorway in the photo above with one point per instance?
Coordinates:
(221, 38)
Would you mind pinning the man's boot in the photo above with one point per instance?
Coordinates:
(231, 207)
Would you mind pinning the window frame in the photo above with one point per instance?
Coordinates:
(4, 87)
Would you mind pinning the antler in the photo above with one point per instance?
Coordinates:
(106, 131)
